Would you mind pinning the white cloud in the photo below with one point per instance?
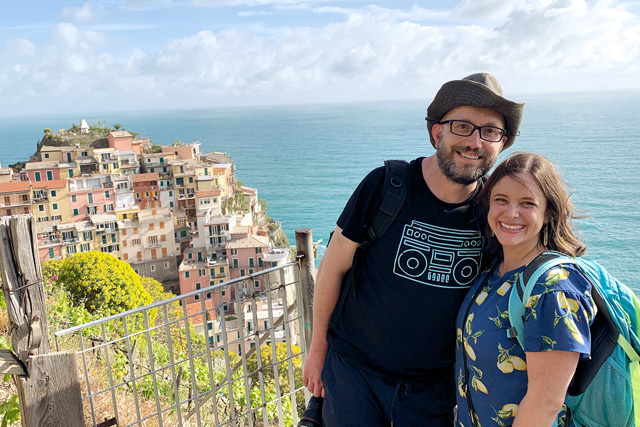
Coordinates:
(84, 13)
(371, 53)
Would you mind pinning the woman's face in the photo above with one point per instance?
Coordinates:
(517, 210)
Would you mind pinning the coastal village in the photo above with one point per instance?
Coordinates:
(171, 212)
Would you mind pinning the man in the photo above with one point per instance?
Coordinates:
(388, 359)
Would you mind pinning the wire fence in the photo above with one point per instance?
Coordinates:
(231, 358)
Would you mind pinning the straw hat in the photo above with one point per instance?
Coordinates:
(480, 90)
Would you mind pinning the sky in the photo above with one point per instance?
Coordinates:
(121, 55)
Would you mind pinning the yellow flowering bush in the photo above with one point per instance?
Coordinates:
(102, 283)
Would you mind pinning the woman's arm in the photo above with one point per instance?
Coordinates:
(549, 374)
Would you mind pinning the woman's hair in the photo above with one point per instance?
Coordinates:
(560, 210)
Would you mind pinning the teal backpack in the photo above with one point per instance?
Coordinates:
(605, 390)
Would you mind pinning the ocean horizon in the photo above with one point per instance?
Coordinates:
(305, 160)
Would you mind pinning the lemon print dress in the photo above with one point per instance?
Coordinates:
(491, 368)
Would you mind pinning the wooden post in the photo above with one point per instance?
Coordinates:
(304, 245)
(50, 394)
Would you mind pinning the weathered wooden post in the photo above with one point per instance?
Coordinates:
(304, 245)
(49, 391)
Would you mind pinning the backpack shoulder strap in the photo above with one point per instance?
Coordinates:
(523, 287)
(393, 195)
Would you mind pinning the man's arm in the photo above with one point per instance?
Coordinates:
(334, 265)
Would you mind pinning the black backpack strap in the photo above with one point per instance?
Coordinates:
(393, 195)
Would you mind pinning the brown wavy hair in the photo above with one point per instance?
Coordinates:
(560, 210)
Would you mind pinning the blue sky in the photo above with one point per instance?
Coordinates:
(118, 55)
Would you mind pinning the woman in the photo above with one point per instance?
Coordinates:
(528, 212)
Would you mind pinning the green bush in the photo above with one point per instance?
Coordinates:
(102, 283)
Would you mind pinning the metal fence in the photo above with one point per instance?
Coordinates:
(183, 363)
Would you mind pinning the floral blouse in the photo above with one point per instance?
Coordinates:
(491, 368)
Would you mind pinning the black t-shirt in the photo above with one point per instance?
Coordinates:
(398, 321)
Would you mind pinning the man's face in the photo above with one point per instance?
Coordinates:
(465, 159)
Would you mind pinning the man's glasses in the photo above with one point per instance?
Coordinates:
(465, 128)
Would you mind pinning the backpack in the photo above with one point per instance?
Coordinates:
(390, 202)
(605, 390)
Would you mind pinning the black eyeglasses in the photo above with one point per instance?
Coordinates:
(465, 128)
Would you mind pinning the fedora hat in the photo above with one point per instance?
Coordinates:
(480, 90)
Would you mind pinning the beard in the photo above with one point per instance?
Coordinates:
(465, 174)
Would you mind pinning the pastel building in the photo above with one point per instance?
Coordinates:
(197, 272)
(76, 237)
(146, 190)
(51, 201)
(49, 242)
(245, 258)
(107, 237)
(183, 151)
(151, 233)
(120, 140)
(90, 195)
(15, 198)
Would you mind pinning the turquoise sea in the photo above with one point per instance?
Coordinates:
(306, 160)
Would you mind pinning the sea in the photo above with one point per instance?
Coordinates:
(305, 160)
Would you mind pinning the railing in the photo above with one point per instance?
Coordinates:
(149, 367)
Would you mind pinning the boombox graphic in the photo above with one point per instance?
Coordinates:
(438, 256)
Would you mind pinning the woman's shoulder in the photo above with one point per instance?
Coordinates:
(564, 277)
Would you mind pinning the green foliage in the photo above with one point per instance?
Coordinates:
(102, 283)
(264, 206)
(10, 411)
(117, 126)
(155, 148)
(47, 130)
(282, 363)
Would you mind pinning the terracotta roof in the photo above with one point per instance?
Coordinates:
(145, 177)
(56, 183)
(208, 193)
(15, 186)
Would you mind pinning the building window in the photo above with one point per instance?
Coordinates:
(166, 265)
(260, 262)
(46, 155)
(152, 267)
(37, 176)
(90, 197)
(242, 271)
(203, 272)
(256, 284)
(234, 252)
(85, 247)
(75, 212)
(136, 241)
(49, 176)
(251, 262)
(235, 263)
(106, 194)
(54, 193)
(104, 240)
(88, 235)
(74, 198)
(258, 250)
(54, 206)
(51, 255)
(186, 274)
(40, 208)
(70, 173)
(55, 217)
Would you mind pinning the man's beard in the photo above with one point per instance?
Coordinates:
(466, 174)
